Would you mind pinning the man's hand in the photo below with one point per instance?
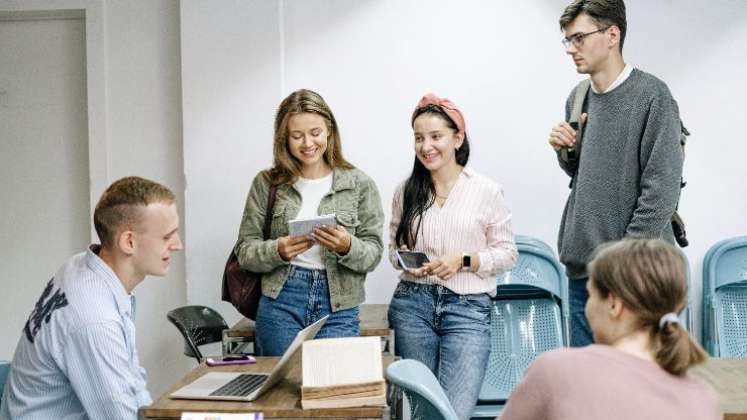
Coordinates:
(563, 135)
(335, 238)
(290, 246)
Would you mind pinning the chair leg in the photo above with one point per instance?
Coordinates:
(225, 347)
(233, 345)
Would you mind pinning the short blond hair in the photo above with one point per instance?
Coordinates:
(120, 205)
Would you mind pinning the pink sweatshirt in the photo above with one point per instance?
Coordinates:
(601, 382)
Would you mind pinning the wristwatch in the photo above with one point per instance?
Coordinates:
(466, 261)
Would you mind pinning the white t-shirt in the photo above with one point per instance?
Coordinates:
(312, 191)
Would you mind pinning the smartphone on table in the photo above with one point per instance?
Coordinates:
(412, 260)
(230, 360)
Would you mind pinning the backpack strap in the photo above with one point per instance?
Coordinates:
(578, 102)
(571, 155)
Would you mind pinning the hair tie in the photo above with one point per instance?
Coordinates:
(448, 107)
(668, 318)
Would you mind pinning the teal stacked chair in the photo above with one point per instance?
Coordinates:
(531, 240)
(424, 394)
(725, 298)
(529, 317)
(4, 371)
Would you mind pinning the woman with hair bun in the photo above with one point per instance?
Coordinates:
(639, 367)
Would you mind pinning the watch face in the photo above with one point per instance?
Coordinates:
(466, 261)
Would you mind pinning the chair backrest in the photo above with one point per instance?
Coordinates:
(529, 317)
(725, 298)
(426, 397)
(731, 321)
(536, 268)
(521, 330)
(4, 371)
(198, 325)
(531, 240)
(537, 273)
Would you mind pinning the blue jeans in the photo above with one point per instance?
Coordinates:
(303, 300)
(581, 334)
(449, 333)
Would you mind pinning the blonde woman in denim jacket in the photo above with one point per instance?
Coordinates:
(308, 277)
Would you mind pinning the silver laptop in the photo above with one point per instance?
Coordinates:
(238, 386)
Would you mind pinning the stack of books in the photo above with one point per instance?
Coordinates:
(342, 372)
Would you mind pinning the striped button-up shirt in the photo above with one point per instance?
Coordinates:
(473, 220)
(76, 358)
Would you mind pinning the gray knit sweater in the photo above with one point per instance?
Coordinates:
(628, 180)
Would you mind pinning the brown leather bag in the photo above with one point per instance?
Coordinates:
(241, 287)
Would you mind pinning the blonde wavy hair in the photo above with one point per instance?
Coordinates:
(286, 169)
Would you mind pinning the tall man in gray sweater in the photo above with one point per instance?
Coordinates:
(627, 183)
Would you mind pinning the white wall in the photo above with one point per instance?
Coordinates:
(144, 134)
(44, 167)
(230, 88)
(501, 62)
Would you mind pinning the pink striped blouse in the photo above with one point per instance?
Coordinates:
(474, 219)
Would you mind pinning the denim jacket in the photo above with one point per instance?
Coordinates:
(354, 200)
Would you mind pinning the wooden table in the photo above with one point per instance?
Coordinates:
(283, 401)
(373, 319)
(729, 378)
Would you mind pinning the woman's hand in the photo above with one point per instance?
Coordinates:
(333, 237)
(444, 267)
(290, 246)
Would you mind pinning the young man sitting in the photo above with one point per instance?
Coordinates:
(77, 358)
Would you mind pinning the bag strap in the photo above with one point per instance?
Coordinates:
(571, 155)
(578, 103)
(268, 212)
(233, 258)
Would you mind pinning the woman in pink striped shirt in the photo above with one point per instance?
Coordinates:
(440, 312)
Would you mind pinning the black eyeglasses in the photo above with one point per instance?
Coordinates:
(578, 39)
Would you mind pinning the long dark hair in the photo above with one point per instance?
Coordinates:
(419, 192)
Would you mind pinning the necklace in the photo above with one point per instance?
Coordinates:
(447, 186)
(448, 189)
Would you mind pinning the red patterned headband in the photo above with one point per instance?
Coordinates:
(446, 106)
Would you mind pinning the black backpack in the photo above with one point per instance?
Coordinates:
(571, 155)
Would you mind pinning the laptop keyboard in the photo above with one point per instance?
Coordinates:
(241, 386)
